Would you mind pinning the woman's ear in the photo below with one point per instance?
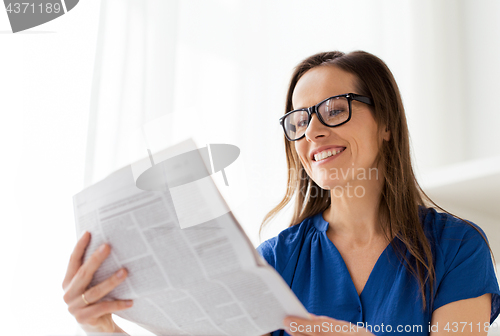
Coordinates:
(387, 134)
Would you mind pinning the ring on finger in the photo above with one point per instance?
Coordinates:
(85, 300)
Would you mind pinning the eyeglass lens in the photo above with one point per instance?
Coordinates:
(333, 111)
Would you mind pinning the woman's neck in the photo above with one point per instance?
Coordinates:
(355, 217)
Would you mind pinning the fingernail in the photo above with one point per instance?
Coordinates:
(102, 248)
(83, 234)
(120, 274)
(129, 303)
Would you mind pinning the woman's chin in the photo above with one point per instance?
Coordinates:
(330, 185)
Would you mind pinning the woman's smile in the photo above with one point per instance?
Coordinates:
(327, 156)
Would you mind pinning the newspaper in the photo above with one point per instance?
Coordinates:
(203, 279)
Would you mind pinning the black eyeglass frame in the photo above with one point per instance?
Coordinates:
(314, 109)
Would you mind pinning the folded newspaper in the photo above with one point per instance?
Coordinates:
(192, 269)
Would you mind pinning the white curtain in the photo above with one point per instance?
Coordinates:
(133, 86)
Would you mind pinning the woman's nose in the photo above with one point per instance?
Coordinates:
(315, 128)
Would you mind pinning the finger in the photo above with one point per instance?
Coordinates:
(297, 326)
(302, 330)
(75, 260)
(315, 317)
(87, 314)
(316, 325)
(297, 333)
(296, 319)
(97, 292)
(84, 275)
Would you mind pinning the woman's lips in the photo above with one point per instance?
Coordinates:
(328, 159)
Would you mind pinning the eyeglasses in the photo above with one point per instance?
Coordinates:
(333, 112)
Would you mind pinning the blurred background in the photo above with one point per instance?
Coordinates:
(85, 94)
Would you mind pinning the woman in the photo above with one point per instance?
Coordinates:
(362, 246)
(362, 249)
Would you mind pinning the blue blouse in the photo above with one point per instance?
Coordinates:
(390, 301)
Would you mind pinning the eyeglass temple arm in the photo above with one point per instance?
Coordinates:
(362, 99)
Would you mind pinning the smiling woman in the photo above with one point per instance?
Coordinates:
(366, 246)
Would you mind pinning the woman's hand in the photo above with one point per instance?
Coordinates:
(92, 316)
(321, 326)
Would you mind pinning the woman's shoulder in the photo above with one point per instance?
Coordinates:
(277, 250)
(463, 263)
(455, 241)
(444, 229)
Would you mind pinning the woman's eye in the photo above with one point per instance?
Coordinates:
(333, 113)
(302, 123)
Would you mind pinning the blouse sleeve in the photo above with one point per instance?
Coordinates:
(268, 252)
(278, 250)
(468, 267)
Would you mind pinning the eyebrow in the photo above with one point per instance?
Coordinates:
(306, 107)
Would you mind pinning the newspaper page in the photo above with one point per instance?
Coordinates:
(203, 279)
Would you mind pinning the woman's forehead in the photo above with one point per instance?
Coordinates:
(320, 83)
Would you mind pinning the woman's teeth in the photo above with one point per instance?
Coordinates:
(325, 154)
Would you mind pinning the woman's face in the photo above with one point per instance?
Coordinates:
(358, 136)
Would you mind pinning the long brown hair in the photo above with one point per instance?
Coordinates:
(401, 193)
